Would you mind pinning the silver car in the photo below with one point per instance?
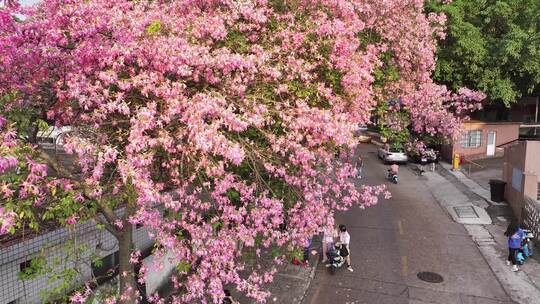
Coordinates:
(392, 156)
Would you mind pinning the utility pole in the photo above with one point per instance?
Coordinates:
(536, 115)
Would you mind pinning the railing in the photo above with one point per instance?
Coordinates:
(531, 217)
(471, 163)
(54, 136)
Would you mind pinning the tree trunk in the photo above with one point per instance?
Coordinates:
(128, 285)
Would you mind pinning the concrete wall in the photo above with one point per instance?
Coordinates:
(521, 172)
(505, 132)
(53, 245)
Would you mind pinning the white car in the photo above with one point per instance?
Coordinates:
(392, 156)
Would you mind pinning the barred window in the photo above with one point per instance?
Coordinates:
(472, 139)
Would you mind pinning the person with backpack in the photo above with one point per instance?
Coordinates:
(360, 166)
(344, 241)
(515, 235)
(329, 233)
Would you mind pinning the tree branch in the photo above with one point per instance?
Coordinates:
(107, 212)
(108, 226)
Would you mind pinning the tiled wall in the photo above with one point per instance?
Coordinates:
(53, 243)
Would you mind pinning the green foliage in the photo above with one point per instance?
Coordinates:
(154, 27)
(396, 138)
(36, 268)
(279, 6)
(331, 77)
(60, 266)
(297, 253)
(367, 37)
(309, 92)
(234, 196)
(387, 72)
(237, 42)
(96, 260)
(23, 117)
(492, 46)
(183, 267)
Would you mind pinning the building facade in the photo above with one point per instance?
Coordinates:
(521, 172)
(482, 139)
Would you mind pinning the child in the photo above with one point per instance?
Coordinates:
(515, 235)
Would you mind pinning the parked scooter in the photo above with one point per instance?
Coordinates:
(335, 259)
(526, 249)
(393, 177)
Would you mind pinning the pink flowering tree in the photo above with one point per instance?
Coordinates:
(225, 114)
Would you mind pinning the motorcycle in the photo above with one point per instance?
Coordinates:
(393, 177)
(526, 249)
(335, 258)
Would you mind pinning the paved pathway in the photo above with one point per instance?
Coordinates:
(394, 240)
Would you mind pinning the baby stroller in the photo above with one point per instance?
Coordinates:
(336, 257)
(526, 247)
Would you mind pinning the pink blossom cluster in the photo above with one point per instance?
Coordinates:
(7, 163)
(227, 113)
(7, 220)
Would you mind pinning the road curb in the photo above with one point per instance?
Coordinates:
(310, 279)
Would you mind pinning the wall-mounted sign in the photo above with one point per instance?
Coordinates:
(517, 179)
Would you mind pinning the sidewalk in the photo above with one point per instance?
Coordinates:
(290, 283)
(454, 189)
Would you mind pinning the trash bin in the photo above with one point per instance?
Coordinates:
(497, 190)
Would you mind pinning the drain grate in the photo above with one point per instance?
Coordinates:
(466, 212)
(430, 277)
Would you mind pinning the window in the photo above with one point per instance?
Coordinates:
(472, 139)
(24, 265)
(106, 268)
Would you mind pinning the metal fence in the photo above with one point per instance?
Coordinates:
(531, 217)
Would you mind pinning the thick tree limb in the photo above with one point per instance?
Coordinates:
(107, 212)
(108, 226)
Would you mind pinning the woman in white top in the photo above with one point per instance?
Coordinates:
(344, 240)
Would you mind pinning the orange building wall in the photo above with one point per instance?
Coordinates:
(506, 133)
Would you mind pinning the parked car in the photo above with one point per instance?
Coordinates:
(392, 156)
(363, 138)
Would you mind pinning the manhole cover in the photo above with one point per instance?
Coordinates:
(430, 277)
(465, 212)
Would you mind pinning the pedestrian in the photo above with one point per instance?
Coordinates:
(328, 239)
(515, 235)
(344, 241)
(360, 166)
(394, 169)
(306, 251)
(432, 158)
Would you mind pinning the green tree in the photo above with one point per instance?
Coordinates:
(492, 46)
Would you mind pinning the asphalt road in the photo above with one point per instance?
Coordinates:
(398, 238)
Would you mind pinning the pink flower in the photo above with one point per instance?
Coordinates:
(7, 220)
(72, 220)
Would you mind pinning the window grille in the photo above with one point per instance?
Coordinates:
(472, 139)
